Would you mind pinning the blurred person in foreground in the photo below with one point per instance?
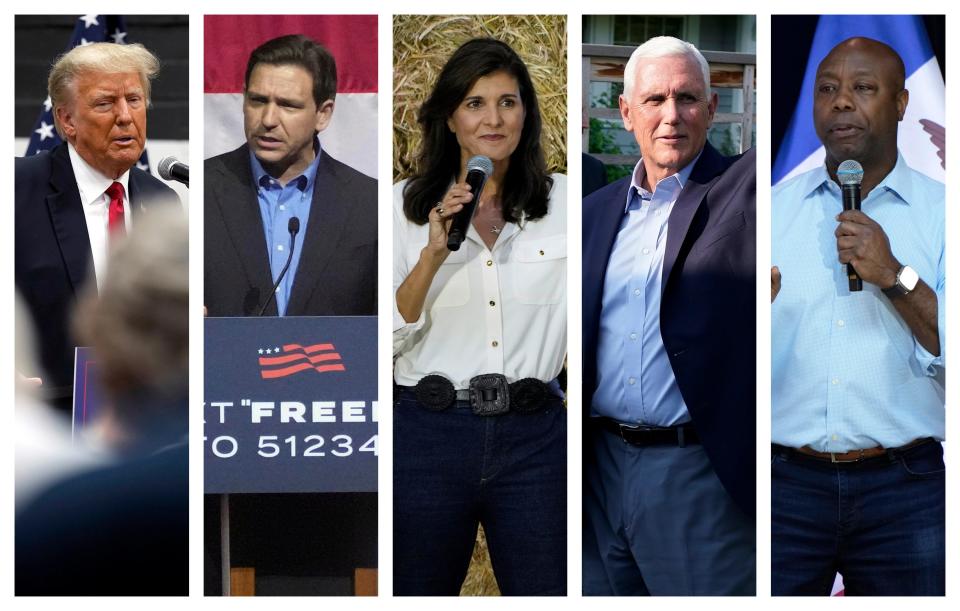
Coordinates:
(479, 340)
(71, 202)
(669, 330)
(858, 478)
(122, 529)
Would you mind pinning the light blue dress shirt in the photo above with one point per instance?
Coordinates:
(635, 382)
(847, 371)
(278, 204)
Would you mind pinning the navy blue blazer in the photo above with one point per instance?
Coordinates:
(53, 260)
(337, 273)
(707, 308)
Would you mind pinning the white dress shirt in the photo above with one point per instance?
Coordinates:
(96, 207)
(487, 311)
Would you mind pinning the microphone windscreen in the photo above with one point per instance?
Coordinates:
(850, 172)
(164, 168)
(482, 163)
(293, 225)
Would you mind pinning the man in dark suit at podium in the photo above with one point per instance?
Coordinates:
(71, 201)
(252, 195)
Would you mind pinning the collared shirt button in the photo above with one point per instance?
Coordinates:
(492, 303)
(636, 292)
(279, 246)
(833, 437)
(632, 381)
(646, 251)
(835, 381)
(633, 336)
(282, 207)
(494, 343)
(840, 323)
(489, 262)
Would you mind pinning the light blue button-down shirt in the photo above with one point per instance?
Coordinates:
(635, 382)
(278, 204)
(847, 371)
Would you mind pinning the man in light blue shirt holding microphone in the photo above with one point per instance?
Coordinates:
(858, 375)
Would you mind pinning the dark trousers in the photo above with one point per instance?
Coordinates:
(453, 470)
(880, 524)
(657, 521)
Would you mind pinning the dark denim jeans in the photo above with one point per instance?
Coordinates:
(879, 524)
(453, 470)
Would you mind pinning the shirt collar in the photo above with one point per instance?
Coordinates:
(90, 182)
(639, 172)
(304, 182)
(897, 181)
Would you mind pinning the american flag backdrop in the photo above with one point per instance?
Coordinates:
(89, 28)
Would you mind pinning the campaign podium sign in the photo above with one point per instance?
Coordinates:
(290, 404)
(87, 394)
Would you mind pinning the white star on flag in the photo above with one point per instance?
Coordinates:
(268, 351)
(45, 131)
(276, 349)
(47, 104)
(89, 20)
(260, 351)
(118, 36)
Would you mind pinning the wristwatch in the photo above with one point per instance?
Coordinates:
(907, 280)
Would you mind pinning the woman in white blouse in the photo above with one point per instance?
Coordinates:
(479, 339)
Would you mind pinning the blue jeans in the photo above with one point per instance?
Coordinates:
(453, 470)
(880, 524)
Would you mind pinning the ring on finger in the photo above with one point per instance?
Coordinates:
(440, 209)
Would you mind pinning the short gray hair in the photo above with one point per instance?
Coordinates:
(106, 57)
(663, 46)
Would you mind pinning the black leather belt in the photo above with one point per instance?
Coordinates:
(640, 435)
(489, 394)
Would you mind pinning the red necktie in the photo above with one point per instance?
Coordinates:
(115, 222)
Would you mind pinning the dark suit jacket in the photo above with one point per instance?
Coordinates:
(53, 260)
(594, 174)
(707, 308)
(337, 273)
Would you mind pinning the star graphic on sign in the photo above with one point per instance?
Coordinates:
(260, 351)
(118, 36)
(45, 131)
(268, 351)
(143, 166)
(276, 350)
(89, 20)
(47, 104)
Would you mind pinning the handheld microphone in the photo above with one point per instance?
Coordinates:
(171, 169)
(293, 226)
(479, 168)
(850, 175)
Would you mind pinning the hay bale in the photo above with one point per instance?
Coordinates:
(423, 43)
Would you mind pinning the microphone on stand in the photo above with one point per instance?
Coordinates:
(293, 226)
(479, 168)
(850, 175)
(171, 169)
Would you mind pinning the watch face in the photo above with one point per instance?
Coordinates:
(908, 278)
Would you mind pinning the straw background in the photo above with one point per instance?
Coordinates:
(423, 43)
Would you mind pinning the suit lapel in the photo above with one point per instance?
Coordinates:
(329, 213)
(69, 222)
(236, 196)
(599, 244)
(706, 171)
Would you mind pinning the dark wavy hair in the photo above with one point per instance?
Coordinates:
(299, 50)
(526, 185)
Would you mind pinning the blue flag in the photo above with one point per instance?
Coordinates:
(89, 28)
(920, 137)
